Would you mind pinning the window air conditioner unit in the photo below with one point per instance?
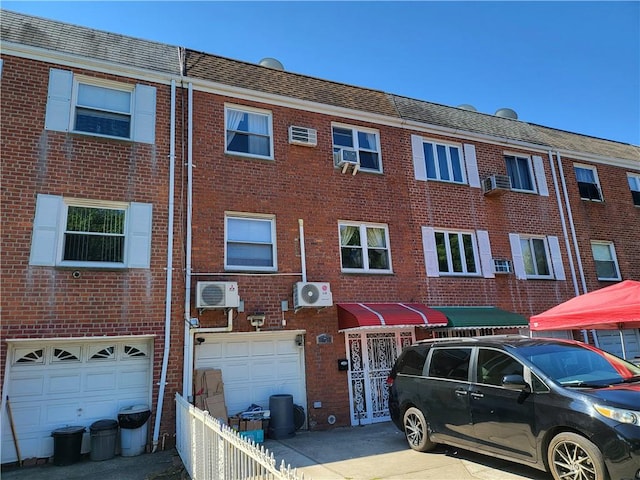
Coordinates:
(502, 266)
(345, 158)
(496, 184)
(312, 294)
(217, 295)
(307, 137)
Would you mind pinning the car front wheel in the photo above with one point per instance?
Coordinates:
(416, 430)
(571, 456)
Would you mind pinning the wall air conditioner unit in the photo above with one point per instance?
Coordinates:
(496, 184)
(345, 158)
(217, 295)
(312, 294)
(502, 266)
(307, 137)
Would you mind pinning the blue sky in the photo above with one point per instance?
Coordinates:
(569, 65)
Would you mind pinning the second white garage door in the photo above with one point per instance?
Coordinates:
(254, 366)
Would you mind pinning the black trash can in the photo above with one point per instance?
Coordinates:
(103, 439)
(281, 423)
(133, 429)
(67, 445)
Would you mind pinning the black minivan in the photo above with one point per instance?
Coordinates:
(556, 405)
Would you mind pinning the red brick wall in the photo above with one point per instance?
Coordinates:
(301, 183)
(45, 302)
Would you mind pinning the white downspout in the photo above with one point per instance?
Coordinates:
(564, 225)
(303, 257)
(167, 302)
(571, 224)
(187, 370)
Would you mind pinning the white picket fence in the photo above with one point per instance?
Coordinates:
(210, 450)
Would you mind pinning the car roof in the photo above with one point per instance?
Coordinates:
(495, 341)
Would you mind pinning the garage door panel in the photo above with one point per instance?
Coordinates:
(100, 381)
(233, 373)
(236, 349)
(288, 368)
(27, 386)
(135, 378)
(263, 348)
(254, 366)
(64, 384)
(57, 383)
(287, 347)
(264, 370)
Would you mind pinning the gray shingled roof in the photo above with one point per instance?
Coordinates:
(133, 52)
(86, 42)
(268, 80)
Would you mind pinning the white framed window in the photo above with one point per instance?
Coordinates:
(250, 242)
(457, 253)
(71, 232)
(443, 161)
(634, 185)
(588, 183)
(98, 107)
(364, 248)
(604, 256)
(536, 257)
(248, 131)
(520, 172)
(364, 141)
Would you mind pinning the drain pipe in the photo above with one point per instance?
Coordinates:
(585, 337)
(571, 224)
(167, 302)
(303, 257)
(187, 375)
(564, 225)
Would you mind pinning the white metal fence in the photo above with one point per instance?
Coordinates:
(210, 450)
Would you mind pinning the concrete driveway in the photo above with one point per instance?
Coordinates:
(370, 452)
(380, 452)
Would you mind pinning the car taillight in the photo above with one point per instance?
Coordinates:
(389, 381)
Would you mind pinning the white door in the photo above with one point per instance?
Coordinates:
(254, 366)
(609, 340)
(53, 384)
(372, 354)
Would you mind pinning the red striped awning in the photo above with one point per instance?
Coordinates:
(363, 315)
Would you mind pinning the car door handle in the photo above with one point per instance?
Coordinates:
(461, 392)
(477, 395)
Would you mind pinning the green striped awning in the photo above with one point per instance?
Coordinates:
(482, 317)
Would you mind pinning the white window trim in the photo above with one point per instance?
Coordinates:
(365, 258)
(47, 244)
(552, 253)
(355, 129)
(461, 156)
(61, 105)
(532, 174)
(636, 178)
(251, 216)
(596, 178)
(468, 160)
(614, 258)
(258, 111)
(476, 254)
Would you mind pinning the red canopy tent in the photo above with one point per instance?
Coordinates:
(611, 308)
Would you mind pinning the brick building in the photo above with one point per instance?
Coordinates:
(318, 227)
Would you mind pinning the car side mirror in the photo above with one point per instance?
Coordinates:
(515, 382)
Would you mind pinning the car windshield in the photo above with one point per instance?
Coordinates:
(579, 365)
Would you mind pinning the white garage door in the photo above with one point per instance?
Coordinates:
(609, 340)
(254, 366)
(53, 384)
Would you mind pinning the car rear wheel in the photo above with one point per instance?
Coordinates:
(571, 456)
(416, 430)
